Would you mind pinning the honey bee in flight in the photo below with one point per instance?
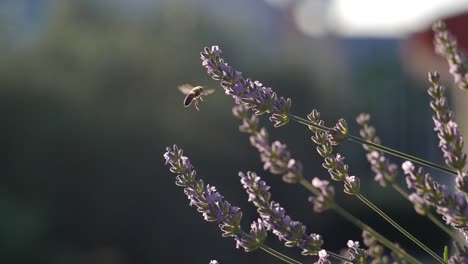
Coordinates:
(193, 94)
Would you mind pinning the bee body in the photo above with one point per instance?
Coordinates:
(193, 94)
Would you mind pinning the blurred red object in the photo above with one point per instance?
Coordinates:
(418, 54)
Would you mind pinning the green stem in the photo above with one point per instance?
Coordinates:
(376, 146)
(277, 254)
(431, 217)
(361, 225)
(399, 228)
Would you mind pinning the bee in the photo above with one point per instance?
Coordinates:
(193, 94)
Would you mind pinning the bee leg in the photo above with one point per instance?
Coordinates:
(196, 105)
(201, 98)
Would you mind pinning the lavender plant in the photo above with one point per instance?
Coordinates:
(252, 100)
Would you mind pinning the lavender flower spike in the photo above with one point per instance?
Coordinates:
(385, 171)
(211, 204)
(451, 141)
(276, 219)
(453, 207)
(446, 45)
(251, 93)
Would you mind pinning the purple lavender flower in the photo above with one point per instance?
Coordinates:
(451, 141)
(276, 157)
(213, 262)
(276, 219)
(323, 257)
(211, 204)
(335, 164)
(250, 93)
(326, 198)
(351, 185)
(385, 171)
(357, 255)
(446, 45)
(453, 207)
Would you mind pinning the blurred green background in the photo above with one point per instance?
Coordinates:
(89, 102)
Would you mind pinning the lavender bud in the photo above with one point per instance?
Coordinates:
(323, 257)
(351, 185)
(314, 117)
(325, 149)
(338, 133)
(312, 244)
(326, 198)
(249, 125)
(213, 262)
(320, 137)
(255, 239)
(357, 255)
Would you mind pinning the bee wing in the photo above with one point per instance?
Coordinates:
(185, 88)
(209, 91)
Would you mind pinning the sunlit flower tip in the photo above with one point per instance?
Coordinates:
(363, 119)
(172, 155)
(351, 185)
(255, 238)
(408, 167)
(358, 255)
(323, 257)
(352, 244)
(312, 244)
(213, 262)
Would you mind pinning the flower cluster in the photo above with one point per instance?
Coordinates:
(277, 159)
(211, 204)
(276, 219)
(385, 171)
(446, 45)
(335, 165)
(357, 254)
(453, 207)
(451, 141)
(245, 91)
